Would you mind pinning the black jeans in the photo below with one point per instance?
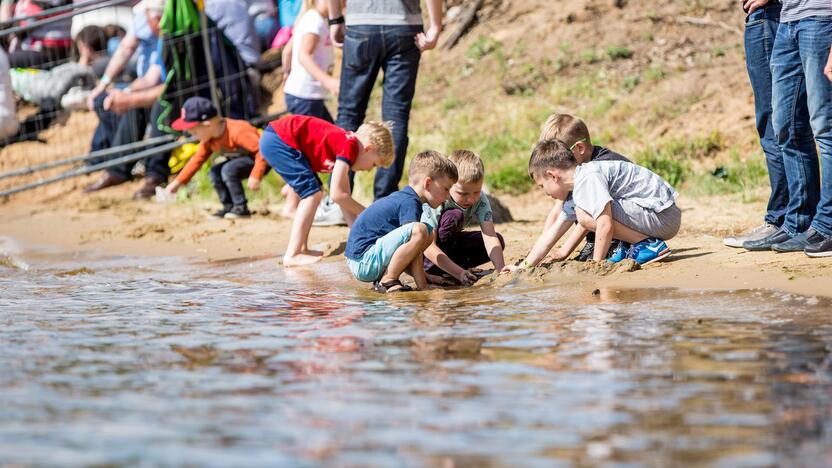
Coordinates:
(116, 130)
(131, 128)
(41, 59)
(227, 180)
(368, 50)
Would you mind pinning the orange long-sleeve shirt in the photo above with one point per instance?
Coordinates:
(238, 135)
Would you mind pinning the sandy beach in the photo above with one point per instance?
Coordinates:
(112, 223)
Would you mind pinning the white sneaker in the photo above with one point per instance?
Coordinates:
(75, 99)
(329, 214)
(759, 232)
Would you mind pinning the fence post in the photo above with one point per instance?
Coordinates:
(206, 44)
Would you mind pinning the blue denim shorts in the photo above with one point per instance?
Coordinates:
(373, 263)
(292, 165)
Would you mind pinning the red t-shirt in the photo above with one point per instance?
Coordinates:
(320, 141)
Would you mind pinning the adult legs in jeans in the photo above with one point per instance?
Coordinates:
(815, 38)
(400, 69)
(760, 32)
(790, 120)
(368, 49)
(131, 128)
(227, 181)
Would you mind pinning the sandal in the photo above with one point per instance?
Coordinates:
(387, 286)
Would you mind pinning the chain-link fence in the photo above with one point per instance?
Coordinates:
(63, 120)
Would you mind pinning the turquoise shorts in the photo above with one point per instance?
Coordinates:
(373, 263)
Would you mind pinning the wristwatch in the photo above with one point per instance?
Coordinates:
(338, 20)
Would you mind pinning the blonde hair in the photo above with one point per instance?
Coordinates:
(468, 165)
(381, 138)
(431, 164)
(566, 128)
(550, 154)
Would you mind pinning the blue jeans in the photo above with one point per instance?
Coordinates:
(760, 32)
(368, 49)
(312, 107)
(801, 94)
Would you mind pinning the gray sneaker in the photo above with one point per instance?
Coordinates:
(329, 214)
(759, 232)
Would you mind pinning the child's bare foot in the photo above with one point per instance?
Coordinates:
(300, 260)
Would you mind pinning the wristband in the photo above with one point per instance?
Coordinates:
(106, 80)
(338, 20)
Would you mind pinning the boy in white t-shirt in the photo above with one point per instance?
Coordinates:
(311, 59)
(614, 199)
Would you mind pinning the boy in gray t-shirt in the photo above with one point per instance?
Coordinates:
(614, 199)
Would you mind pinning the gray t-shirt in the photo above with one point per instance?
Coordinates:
(383, 12)
(794, 10)
(599, 182)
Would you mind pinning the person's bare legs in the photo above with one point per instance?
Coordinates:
(298, 253)
(408, 255)
(290, 207)
(619, 231)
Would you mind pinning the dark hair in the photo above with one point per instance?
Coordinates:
(94, 37)
(551, 153)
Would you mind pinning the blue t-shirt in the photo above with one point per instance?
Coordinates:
(147, 53)
(382, 217)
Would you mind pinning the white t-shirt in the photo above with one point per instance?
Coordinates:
(8, 116)
(599, 182)
(300, 83)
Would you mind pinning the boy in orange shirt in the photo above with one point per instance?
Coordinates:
(237, 141)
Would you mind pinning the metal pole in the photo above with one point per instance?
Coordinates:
(206, 45)
(97, 167)
(124, 159)
(54, 11)
(94, 154)
(59, 17)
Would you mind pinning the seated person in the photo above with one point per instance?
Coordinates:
(454, 250)
(43, 47)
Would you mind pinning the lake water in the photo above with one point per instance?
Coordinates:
(121, 360)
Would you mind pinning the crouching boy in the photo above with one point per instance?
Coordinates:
(613, 199)
(454, 250)
(237, 143)
(298, 147)
(388, 238)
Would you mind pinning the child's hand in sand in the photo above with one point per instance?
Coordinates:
(439, 280)
(164, 195)
(467, 278)
(253, 184)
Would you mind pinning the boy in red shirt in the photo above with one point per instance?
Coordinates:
(298, 147)
(237, 141)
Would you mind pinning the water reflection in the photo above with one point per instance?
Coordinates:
(125, 360)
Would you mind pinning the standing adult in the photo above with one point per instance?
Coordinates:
(761, 23)
(387, 36)
(800, 53)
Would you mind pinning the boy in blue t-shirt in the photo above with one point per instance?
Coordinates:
(388, 237)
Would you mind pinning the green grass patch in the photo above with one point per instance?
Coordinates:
(616, 52)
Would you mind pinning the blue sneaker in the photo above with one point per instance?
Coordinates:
(648, 251)
(620, 252)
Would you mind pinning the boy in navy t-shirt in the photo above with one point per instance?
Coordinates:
(298, 147)
(388, 237)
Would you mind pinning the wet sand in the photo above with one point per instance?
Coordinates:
(112, 223)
